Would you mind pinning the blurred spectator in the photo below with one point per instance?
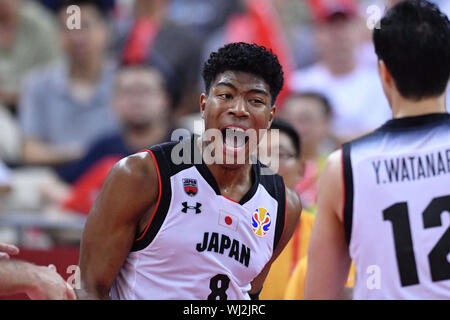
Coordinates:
(5, 188)
(65, 106)
(142, 105)
(10, 143)
(256, 21)
(310, 114)
(202, 17)
(290, 167)
(296, 21)
(27, 39)
(5, 180)
(152, 38)
(349, 86)
(295, 288)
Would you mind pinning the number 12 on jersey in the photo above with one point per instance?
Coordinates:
(398, 215)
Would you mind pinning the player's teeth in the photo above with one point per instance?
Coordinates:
(235, 137)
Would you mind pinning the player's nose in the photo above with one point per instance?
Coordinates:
(239, 108)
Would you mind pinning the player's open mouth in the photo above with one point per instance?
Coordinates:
(234, 139)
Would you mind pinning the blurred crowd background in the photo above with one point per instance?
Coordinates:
(74, 101)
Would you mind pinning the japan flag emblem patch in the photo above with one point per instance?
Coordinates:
(228, 220)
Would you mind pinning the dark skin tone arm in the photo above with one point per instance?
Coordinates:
(293, 210)
(122, 210)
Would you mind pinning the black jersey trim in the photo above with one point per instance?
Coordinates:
(208, 176)
(347, 191)
(274, 184)
(251, 192)
(162, 164)
(422, 120)
(281, 217)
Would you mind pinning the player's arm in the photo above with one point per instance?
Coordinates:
(293, 211)
(38, 282)
(328, 257)
(6, 250)
(121, 210)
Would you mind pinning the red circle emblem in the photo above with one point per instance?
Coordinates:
(228, 220)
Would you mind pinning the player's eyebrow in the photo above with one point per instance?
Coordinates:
(230, 85)
(227, 84)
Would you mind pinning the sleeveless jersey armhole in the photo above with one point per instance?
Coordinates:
(347, 191)
(281, 213)
(163, 202)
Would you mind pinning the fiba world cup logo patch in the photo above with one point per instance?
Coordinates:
(261, 222)
(190, 187)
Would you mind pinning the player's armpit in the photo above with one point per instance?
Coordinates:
(128, 196)
(328, 257)
(293, 211)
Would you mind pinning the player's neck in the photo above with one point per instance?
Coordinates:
(402, 107)
(232, 182)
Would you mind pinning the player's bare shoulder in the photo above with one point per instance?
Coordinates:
(331, 184)
(334, 162)
(132, 183)
(139, 166)
(137, 171)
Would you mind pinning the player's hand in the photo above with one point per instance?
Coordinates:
(7, 249)
(49, 285)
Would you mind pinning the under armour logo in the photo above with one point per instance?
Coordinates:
(196, 207)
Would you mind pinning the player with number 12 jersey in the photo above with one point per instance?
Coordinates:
(397, 208)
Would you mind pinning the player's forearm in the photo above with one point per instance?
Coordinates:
(318, 289)
(88, 293)
(326, 276)
(17, 277)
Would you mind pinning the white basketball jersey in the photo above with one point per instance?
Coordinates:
(200, 244)
(397, 209)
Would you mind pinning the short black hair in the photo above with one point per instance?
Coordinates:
(251, 58)
(413, 40)
(287, 128)
(102, 7)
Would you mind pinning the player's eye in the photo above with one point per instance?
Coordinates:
(225, 96)
(256, 101)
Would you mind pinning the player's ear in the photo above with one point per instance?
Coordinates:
(272, 112)
(385, 74)
(203, 99)
(387, 82)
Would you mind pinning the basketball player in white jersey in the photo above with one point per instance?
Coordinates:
(168, 229)
(384, 199)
